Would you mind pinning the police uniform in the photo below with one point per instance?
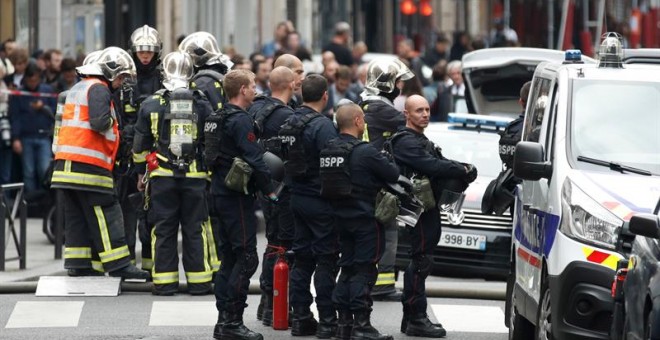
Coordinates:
(382, 121)
(270, 114)
(511, 135)
(209, 80)
(88, 140)
(361, 237)
(416, 156)
(177, 186)
(316, 241)
(238, 224)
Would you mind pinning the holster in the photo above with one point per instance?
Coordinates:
(424, 192)
(387, 207)
(238, 177)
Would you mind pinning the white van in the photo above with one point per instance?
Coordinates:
(589, 159)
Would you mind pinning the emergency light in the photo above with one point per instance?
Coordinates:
(479, 120)
(572, 56)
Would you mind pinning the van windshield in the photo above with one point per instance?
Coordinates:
(616, 122)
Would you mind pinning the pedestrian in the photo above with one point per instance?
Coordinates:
(315, 246)
(279, 40)
(269, 114)
(87, 144)
(364, 170)
(32, 121)
(457, 87)
(339, 44)
(233, 191)
(338, 90)
(417, 157)
(68, 75)
(406, 52)
(19, 58)
(262, 70)
(169, 126)
(5, 131)
(53, 62)
(145, 50)
(383, 120)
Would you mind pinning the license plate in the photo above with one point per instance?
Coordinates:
(459, 240)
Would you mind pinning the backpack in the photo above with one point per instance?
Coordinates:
(293, 149)
(335, 171)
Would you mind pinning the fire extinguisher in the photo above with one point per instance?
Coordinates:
(281, 291)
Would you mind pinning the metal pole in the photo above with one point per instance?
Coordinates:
(3, 228)
(562, 29)
(551, 23)
(59, 223)
(23, 242)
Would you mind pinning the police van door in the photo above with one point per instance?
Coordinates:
(533, 207)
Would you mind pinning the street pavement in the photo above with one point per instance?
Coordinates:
(136, 314)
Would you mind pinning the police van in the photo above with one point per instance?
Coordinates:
(589, 158)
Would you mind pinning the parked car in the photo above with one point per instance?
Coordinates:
(478, 245)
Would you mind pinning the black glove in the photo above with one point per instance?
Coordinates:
(471, 174)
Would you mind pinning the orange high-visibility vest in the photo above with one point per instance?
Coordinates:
(77, 141)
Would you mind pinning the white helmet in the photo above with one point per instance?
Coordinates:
(203, 49)
(92, 57)
(112, 62)
(382, 74)
(147, 39)
(177, 70)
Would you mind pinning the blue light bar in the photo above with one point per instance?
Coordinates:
(481, 120)
(573, 55)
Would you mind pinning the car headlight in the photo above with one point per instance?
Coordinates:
(586, 219)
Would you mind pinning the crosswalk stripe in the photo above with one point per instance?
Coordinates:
(37, 314)
(461, 318)
(183, 313)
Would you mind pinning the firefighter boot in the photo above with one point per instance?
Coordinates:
(344, 325)
(404, 322)
(217, 330)
(267, 318)
(303, 322)
(363, 330)
(234, 329)
(131, 272)
(420, 325)
(327, 327)
(75, 272)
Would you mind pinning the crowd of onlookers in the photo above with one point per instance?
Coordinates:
(25, 158)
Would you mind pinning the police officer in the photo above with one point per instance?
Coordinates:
(352, 173)
(499, 193)
(294, 64)
(210, 67)
(383, 120)
(87, 145)
(417, 157)
(170, 125)
(145, 50)
(315, 246)
(269, 114)
(231, 141)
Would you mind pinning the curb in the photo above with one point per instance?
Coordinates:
(433, 289)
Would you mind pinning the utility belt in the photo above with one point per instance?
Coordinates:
(179, 168)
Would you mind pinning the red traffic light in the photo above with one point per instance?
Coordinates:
(408, 7)
(425, 8)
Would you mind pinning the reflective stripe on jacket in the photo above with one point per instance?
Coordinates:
(77, 141)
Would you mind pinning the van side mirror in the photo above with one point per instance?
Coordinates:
(528, 162)
(647, 225)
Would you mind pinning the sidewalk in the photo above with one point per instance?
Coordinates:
(40, 256)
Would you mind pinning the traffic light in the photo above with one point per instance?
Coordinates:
(408, 7)
(425, 8)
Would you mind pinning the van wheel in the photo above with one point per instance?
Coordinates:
(544, 314)
(519, 327)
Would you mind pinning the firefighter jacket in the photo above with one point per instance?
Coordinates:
(88, 139)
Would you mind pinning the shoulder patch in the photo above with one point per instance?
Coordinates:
(251, 137)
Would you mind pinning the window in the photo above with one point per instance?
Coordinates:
(536, 106)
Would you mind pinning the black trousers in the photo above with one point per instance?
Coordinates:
(280, 232)
(127, 185)
(424, 238)
(316, 248)
(238, 248)
(94, 227)
(174, 202)
(362, 244)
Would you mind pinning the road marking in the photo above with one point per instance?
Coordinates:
(461, 318)
(38, 314)
(183, 313)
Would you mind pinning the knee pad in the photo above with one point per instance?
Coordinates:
(250, 262)
(422, 265)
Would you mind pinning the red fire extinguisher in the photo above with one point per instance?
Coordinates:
(281, 292)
